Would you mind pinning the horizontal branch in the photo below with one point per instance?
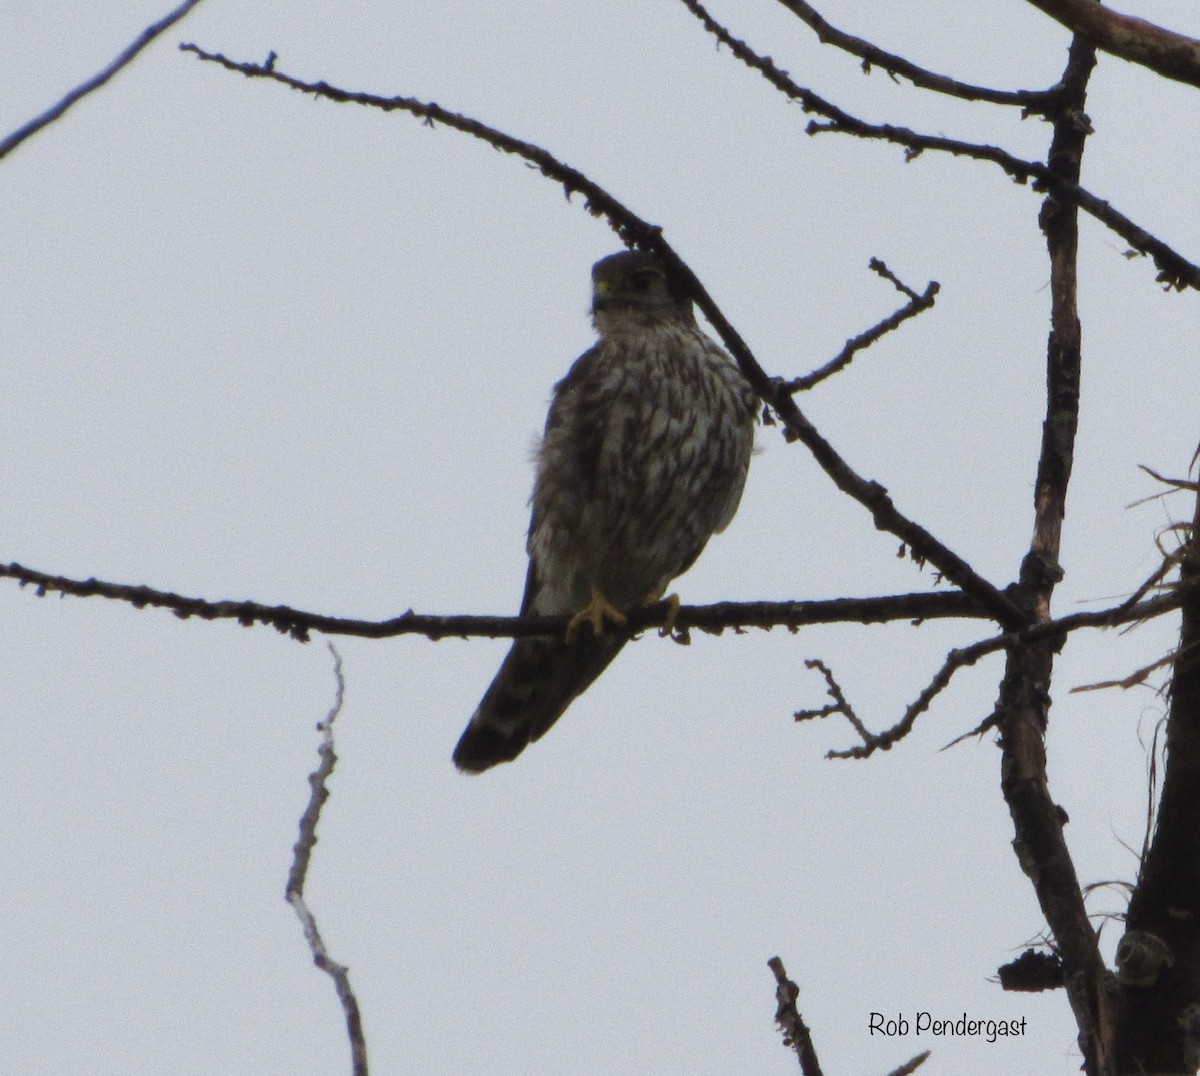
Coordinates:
(1175, 271)
(933, 605)
(715, 618)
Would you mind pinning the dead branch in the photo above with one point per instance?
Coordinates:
(1031, 101)
(302, 854)
(637, 232)
(929, 605)
(839, 704)
(915, 305)
(715, 618)
(1172, 55)
(884, 741)
(7, 145)
(796, 1035)
(1158, 1028)
(1175, 271)
(911, 1065)
(1022, 707)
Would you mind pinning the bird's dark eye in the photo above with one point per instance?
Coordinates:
(642, 279)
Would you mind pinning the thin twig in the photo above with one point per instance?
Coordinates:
(963, 657)
(302, 854)
(915, 305)
(1032, 101)
(839, 704)
(1175, 271)
(31, 128)
(637, 232)
(796, 1035)
(884, 741)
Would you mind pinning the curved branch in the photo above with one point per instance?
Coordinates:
(1040, 101)
(1172, 55)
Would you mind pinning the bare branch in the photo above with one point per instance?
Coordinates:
(1135, 678)
(302, 854)
(796, 1035)
(839, 704)
(955, 660)
(915, 305)
(929, 605)
(715, 618)
(1172, 55)
(1175, 271)
(1041, 101)
(7, 145)
(1022, 707)
(1166, 903)
(912, 1064)
(1051, 631)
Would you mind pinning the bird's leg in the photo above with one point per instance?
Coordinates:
(598, 610)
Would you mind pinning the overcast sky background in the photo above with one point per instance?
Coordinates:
(257, 346)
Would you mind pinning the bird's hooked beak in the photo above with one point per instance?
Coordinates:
(601, 295)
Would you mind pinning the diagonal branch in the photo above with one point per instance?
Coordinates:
(1174, 56)
(916, 304)
(7, 145)
(1175, 271)
(637, 232)
(1041, 101)
(796, 1035)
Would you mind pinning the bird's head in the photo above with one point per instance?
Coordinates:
(634, 287)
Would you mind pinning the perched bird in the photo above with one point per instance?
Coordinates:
(644, 458)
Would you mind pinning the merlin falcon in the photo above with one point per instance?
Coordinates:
(644, 458)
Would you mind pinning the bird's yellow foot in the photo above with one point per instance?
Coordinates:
(668, 627)
(597, 611)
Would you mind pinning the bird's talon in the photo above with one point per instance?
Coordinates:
(668, 627)
(597, 612)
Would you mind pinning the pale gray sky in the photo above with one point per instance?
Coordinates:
(257, 346)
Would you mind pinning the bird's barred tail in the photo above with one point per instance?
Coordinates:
(537, 682)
